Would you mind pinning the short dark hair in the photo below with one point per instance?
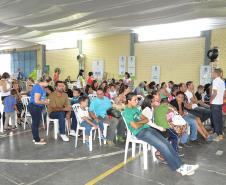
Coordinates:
(58, 82)
(13, 91)
(171, 82)
(180, 93)
(200, 87)
(189, 83)
(83, 98)
(5, 75)
(90, 73)
(50, 88)
(129, 96)
(78, 90)
(100, 89)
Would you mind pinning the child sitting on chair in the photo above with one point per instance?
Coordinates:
(85, 119)
(9, 109)
(76, 95)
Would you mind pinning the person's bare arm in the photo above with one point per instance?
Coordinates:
(89, 121)
(213, 95)
(39, 101)
(93, 116)
(138, 124)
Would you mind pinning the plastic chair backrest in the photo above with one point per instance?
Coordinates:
(25, 100)
(129, 133)
(92, 96)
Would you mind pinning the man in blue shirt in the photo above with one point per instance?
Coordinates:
(98, 111)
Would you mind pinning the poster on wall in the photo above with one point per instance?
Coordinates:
(122, 65)
(155, 74)
(205, 74)
(98, 69)
(132, 65)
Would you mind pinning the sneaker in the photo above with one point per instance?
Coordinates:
(186, 145)
(110, 143)
(180, 146)
(180, 154)
(187, 169)
(218, 138)
(40, 143)
(64, 137)
(195, 142)
(72, 133)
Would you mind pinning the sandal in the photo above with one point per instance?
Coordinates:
(159, 156)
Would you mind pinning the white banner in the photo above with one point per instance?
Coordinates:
(155, 74)
(98, 69)
(122, 65)
(205, 74)
(132, 65)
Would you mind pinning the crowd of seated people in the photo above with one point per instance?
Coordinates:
(175, 111)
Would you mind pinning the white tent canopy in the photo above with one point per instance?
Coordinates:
(27, 22)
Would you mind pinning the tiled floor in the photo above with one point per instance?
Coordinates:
(22, 162)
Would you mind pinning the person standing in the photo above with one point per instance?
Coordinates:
(37, 102)
(5, 87)
(81, 82)
(216, 102)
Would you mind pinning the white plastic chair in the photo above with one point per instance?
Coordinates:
(75, 108)
(25, 101)
(55, 125)
(130, 138)
(92, 96)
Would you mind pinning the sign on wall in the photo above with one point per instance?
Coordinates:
(155, 74)
(205, 74)
(98, 69)
(122, 65)
(132, 65)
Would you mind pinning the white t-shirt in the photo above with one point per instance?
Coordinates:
(5, 93)
(190, 96)
(218, 84)
(82, 113)
(148, 113)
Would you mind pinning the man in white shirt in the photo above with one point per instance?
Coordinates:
(216, 101)
(193, 108)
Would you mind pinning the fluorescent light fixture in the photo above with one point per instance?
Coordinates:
(176, 30)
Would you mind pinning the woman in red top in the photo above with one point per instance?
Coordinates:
(90, 78)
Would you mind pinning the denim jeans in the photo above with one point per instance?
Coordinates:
(201, 112)
(61, 117)
(217, 118)
(190, 119)
(36, 115)
(88, 127)
(154, 138)
(173, 138)
(74, 121)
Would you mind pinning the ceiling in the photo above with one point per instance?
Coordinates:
(27, 22)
